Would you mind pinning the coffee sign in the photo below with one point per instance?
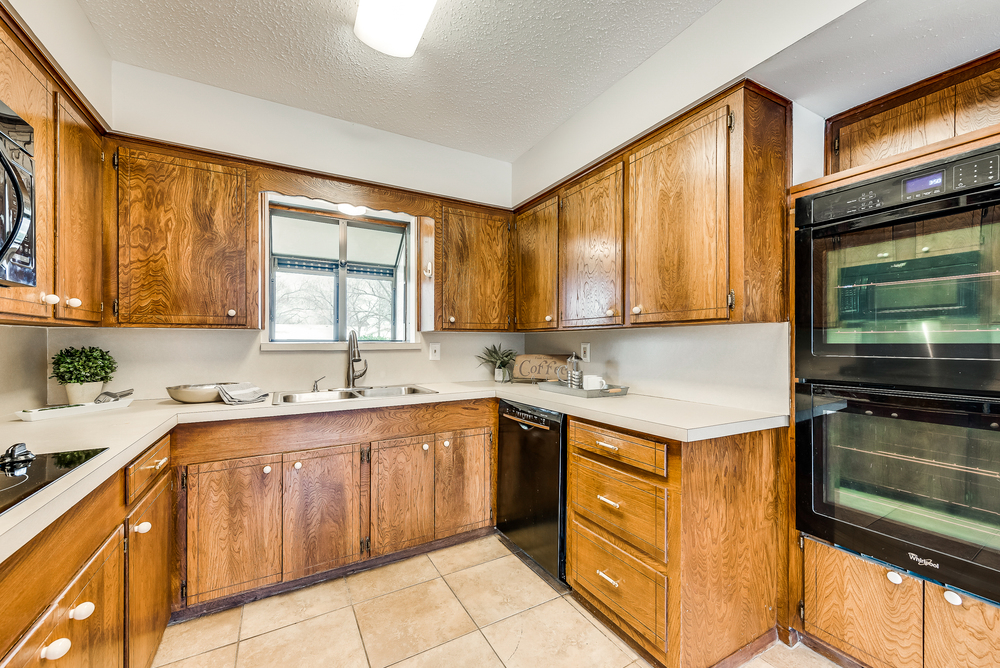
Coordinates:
(537, 367)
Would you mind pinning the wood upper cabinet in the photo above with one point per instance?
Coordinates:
(679, 223)
(536, 259)
(322, 519)
(474, 260)
(78, 216)
(150, 528)
(402, 493)
(590, 261)
(183, 240)
(233, 526)
(461, 481)
(963, 631)
(871, 612)
(977, 103)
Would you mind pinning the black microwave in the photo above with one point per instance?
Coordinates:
(17, 200)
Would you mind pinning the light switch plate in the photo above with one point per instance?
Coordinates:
(435, 351)
(585, 352)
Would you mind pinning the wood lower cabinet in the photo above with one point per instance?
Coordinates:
(462, 477)
(150, 528)
(591, 271)
(536, 267)
(183, 242)
(321, 510)
(402, 493)
(959, 630)
(863, 608)
(474, 270)
(233, 526)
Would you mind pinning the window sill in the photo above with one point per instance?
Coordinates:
(338, 346)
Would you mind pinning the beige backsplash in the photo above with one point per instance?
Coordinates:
(23, 368)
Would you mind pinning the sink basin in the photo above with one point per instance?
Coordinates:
(345, 393)
(394, 391)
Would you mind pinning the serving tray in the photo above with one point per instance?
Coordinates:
(559, 387)
(36, 414)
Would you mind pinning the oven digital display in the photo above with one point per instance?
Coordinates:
(925, 182)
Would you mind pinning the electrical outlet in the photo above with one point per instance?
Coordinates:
(435, 351)
(585, 352)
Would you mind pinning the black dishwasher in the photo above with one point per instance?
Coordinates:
(531, 483)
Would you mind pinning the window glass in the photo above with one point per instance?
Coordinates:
(305, 306)
(370, 307)
(295, 236)
(374, 244)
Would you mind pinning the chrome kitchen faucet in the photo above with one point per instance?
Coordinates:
(354, 355)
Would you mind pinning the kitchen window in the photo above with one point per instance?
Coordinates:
(331, 273)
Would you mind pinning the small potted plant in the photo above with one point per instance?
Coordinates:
(500, 359)
(83, 371)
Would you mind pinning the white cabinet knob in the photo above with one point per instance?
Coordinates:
(548, 318)
(952, 598)
(610, 312)
(451, 319)
(298, 465)
(231, 312)
(267, 469)
(894, 577)
(51, 300)
(447, 443)
(426, 447)
(82, 611)
(144, 527)
(73, 302)
(56, 649)
(637, 309)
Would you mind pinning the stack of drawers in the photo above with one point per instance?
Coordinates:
(618, 526)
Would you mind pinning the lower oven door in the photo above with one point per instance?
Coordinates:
(910, 479)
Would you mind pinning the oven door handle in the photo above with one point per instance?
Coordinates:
(530, 424)
(19, 193)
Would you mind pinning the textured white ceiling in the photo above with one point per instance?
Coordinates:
(489, 77)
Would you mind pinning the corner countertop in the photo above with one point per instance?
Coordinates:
(126, 433)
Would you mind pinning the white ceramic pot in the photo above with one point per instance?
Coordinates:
(83, 393)
(498, 374)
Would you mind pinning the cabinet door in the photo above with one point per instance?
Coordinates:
(461, 481)
(233, 527)
(977, 103)
(182, 240)
(536, 258)
(678, 224)
(150, 530)
(590, 264)
(475, 270)
(402, 502)
(962, 631)
(322, 523)
(78, 216)
(853, 604)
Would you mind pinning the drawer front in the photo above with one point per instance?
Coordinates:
(141, 473)
(628, 507)
(630, 588)
(638, 452)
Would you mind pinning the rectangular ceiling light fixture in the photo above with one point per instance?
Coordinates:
(393, 27)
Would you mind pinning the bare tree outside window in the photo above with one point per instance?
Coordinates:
(369, 308)
(305, 306)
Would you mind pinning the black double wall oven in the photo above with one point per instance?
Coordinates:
(897, 362)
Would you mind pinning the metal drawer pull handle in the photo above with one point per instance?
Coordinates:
(613, 448)
(894, 577)
(608, 501)
(601, 573)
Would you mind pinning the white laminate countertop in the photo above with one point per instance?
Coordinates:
(126, 433)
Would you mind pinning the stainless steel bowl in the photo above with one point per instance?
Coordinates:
(196, 394)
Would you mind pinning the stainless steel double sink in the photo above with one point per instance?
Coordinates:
(342, 394)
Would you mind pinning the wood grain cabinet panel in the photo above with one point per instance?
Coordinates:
(461, 482)
(964, 633)
(183, 237)
(679, 223)
(851, 603)
(591, 240)
(536, 270)
(78, 216)
(233, 527)
(322, 522)
(402, 493)
(475, 270)
(150, 537)
(977, 103)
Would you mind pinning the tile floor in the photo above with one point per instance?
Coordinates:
(474, 605)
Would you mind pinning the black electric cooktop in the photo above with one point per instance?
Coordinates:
(23, 473)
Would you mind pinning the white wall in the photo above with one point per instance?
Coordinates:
(160, 106)
(23, 368)
(66, 32)
(746, 366)
(808, 136)
(718, 48)
(150, 360)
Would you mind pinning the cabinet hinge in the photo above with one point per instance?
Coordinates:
(366, 545)
(802, 542)
(125, 545)
(836, 146)
(102, 156)
(114, 160)
(731, 300)
(731, 123)
(102, 307)
(114, 308)
(184, 589)
(184, 480)
(802, 610)
(366, 454)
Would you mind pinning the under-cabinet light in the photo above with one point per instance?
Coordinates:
(351, 210)
(393, 27)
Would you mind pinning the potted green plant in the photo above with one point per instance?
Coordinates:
(500, 359)
(83, 371)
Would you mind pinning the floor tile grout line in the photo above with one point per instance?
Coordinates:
(361, 635)
(424, 651)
